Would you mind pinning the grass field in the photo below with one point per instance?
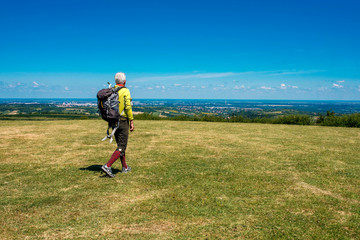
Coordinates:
(189, 180)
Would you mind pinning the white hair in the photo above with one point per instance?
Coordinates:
(120, 78)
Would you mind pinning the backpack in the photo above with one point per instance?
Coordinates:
(108, 108)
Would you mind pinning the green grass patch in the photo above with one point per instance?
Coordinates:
(203, 180)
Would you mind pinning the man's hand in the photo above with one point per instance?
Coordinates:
(132, 125)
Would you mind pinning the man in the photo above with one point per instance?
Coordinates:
(126, 122)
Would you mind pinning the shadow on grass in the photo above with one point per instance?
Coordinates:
(97, 168)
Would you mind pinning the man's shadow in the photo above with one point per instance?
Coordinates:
(97, 168)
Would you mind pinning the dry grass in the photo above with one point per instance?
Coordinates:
(189, 180)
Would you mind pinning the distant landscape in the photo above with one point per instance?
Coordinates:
(299, 112)
(174, 107)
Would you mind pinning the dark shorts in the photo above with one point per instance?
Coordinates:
(122, 134)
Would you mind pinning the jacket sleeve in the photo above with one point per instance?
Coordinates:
(128, 108)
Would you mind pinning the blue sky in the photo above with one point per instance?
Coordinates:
(257, 49)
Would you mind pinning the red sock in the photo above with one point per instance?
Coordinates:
(123, 162)
(113, 158)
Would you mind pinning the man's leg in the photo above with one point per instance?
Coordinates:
(123, 162)
(107, 167)
(116, 154)
(122, 140)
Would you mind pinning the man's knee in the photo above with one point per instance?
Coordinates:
(122, 152)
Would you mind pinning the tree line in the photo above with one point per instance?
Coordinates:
(330, 119)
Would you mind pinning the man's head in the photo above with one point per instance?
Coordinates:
(120, 78)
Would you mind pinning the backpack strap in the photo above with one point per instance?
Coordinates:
(117, 89)
(114, 127)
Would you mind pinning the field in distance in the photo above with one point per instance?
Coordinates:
(189, 180)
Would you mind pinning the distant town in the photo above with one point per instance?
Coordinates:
(166, 108)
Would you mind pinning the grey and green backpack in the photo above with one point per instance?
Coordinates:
(108, 105)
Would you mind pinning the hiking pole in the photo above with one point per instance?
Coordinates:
(109, 85)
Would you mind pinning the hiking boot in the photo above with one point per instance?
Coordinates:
(125, 170)
(107, 170)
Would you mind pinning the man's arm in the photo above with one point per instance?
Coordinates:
(128, 110)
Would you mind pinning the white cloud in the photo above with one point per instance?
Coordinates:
(160, 87)
(186, 76)
(239, 87)
(342, 81)
(16, 85)
(284, 86)
(221, 87)
(177, 84)
(35, 84)
(266, 88)
(149, 88)
(293, 72)
(66, 88)
(337, 85)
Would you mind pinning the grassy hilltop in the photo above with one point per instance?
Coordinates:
(189, 180)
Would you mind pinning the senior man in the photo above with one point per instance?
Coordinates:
(126, 123)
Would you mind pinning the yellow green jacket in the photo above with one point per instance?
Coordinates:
(125, 109)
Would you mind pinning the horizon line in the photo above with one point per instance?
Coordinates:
(210, 99)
